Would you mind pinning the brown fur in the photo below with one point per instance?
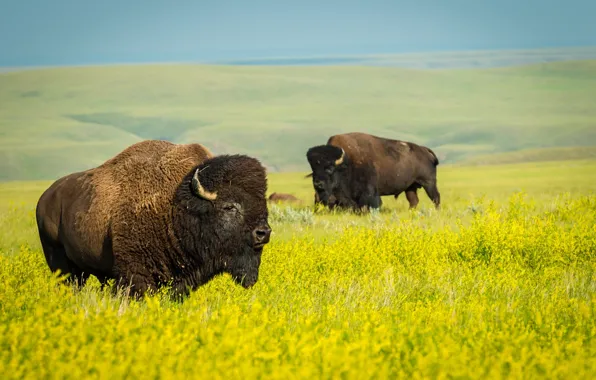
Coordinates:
(388, 166)
(282, 197)
(91, 221)
(387, 155)
(129, 186)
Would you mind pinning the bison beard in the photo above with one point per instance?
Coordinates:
(165, 221)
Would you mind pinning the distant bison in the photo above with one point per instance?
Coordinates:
(282, 197)
(355, 169)
(158, 213)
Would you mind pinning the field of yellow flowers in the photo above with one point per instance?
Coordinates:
(499, 283)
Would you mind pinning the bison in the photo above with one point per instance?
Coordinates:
(158, 214)
(330, 200)
(282, 197)
(354, 170)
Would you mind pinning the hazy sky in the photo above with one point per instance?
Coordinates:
(47, 32)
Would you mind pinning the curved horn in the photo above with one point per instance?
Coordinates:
(198, 189)
(341, 159)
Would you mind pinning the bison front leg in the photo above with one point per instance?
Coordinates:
(137, 287)
(433, 193)
(133, 284)
(370, 199)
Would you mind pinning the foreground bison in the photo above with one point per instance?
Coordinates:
(158, 213)
(355, 169)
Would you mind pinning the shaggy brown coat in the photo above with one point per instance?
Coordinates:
(130, 218)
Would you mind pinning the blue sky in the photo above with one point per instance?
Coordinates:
(58, 32)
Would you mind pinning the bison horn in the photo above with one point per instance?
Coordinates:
(341, 159)
(198, 189)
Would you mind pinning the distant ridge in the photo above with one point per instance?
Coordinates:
(416, 60)
(434, 60)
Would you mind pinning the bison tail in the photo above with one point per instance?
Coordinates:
(435, 160)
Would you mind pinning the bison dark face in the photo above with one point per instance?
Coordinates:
(226, 216)
(328, 164)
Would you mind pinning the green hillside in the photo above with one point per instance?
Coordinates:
(54, 121)
(534, 155)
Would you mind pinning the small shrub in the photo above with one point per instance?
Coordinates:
(288, 214)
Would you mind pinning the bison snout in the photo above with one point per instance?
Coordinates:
(261, 235)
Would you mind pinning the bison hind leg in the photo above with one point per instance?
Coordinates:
(412, 198)
(58, 261)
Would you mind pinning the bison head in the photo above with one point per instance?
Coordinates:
(328, 164)
(223, 218)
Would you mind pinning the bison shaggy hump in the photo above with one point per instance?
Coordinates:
(158, 214)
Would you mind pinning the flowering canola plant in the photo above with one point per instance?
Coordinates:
(498, 290)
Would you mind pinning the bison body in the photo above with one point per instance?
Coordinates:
(158, 213)
(282, 197)
(355, 169)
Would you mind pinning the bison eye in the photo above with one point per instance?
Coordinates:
(231, 207)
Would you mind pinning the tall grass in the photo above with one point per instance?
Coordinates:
(489, 287)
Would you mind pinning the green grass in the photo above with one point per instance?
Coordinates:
(55, 121)
(534, 155)
(500, 283)
(461, 187)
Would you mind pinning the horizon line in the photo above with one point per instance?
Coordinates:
(273, 58)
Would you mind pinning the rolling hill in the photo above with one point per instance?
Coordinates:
(58, 120)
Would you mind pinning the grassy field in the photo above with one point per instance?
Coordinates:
(500, 283)
(534, 155)
(55, 121)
